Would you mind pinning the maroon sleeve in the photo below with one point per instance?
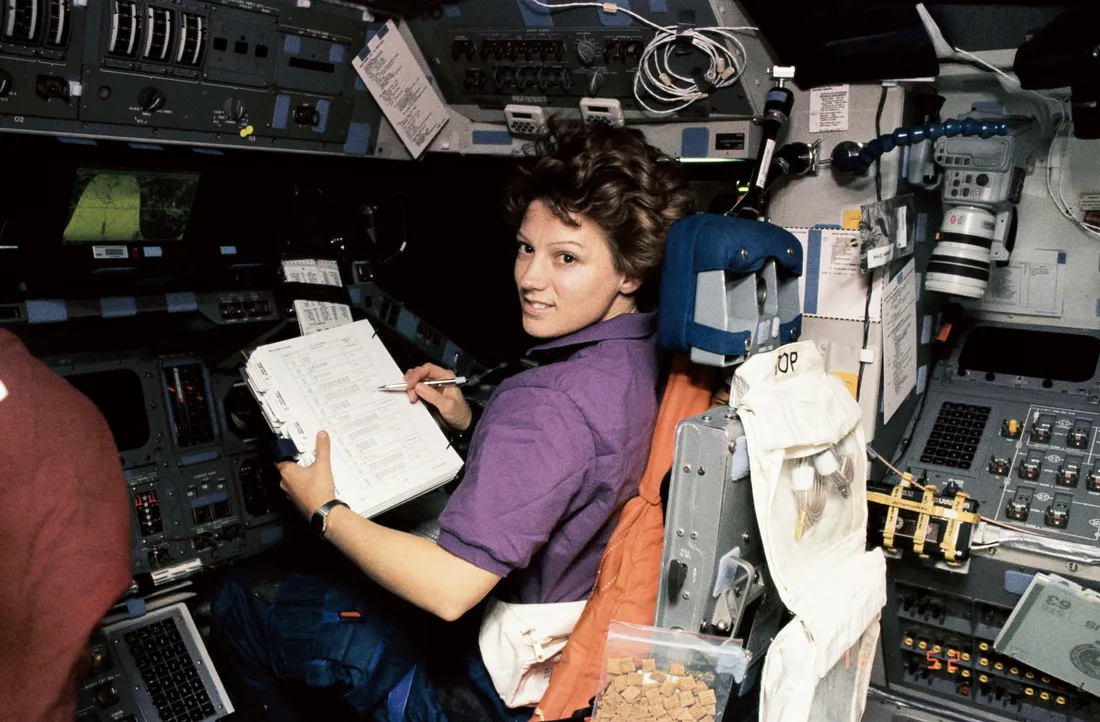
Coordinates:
(65, 535)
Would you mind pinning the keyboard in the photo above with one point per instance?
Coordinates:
(154, 669)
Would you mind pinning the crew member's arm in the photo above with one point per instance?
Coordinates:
(411, 567)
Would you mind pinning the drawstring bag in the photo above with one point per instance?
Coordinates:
(520, 643)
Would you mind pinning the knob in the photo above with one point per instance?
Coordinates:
(5, 82)
(106, 696)
(595, 82)
(677, 575)
(151, 99)
(586, 51)
(234, 108)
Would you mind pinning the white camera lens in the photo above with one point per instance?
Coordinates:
(960, 262)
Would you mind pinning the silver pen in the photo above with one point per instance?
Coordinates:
(456, 381)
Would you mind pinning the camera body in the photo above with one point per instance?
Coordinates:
(981, 183)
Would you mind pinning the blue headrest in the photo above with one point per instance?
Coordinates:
(709, 242)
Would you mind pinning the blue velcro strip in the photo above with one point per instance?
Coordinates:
(1061, 258)
(358, 142)
(330, 617)
(77, 141)
(694, 142)
(135, 607)
(451, 10)
(921, 232)
(492, 137)
(813, 270)
(271, 536)
(228, 250)
(293, 44)
(152, 252)
(616, 20)
(658, 6)
(451, 353)
(359, 85)
(1098, 307)
(322, 115)
(355, 294)
(282, 110)
(145, 146)
(118, 307)
(535, 16)
(398, 697)
(1017, 582)
(181, 302)
(208, 151)
(47, 310)
(407, 323)
(209, 499)
(199, 458)
(336, 53)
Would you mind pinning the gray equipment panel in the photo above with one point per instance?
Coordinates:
(710, 517)
(266, 74)
(1038, 476)
(488, 53)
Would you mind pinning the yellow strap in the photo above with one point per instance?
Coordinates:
(927, 503)
(891, 515)
(951, 534)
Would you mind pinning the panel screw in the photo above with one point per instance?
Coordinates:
(744, 254)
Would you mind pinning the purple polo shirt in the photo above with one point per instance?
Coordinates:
(557, 453)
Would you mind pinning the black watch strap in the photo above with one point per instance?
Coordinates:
(319, 520)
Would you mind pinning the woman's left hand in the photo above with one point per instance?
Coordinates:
(310, 487)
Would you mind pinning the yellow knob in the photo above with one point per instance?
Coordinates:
(966, 673)
(1044, 696)
(1029, 691)
(983, 646)
(1060, 699)
(908, 641)
(247, 131)
(983, 662)
(922, 645)
(966, 656)
(999, 666)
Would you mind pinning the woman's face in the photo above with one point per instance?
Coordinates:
(566, 275)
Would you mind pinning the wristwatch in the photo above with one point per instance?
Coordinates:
(319, 520)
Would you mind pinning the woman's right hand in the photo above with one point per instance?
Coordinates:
(448, 400)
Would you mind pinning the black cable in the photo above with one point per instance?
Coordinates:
(878, 132)
(870, 283)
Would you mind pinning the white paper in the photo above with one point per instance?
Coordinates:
(878, 256)
(829, 108)
(1089, 202)
(841, 287)
(314, 316)
(384, 449)
(899, 340)
(392, 75)
(1033, 284)
(903, 227)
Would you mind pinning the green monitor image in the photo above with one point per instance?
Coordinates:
(126, 206)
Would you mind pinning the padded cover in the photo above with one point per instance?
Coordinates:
(709, 242)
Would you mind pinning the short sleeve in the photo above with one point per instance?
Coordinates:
(528, 459)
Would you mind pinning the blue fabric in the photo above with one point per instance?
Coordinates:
(710, 242)
(274, 631)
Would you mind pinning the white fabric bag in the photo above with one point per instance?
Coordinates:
(521, 643)
(793, 412)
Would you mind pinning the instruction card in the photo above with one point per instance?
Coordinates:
(1032, 284)
(829, 108)
(409, 100)
(899, 340)
(831, 285)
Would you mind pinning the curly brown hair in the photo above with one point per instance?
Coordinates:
(612, 177)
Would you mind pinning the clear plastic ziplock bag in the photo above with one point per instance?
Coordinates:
(665, 674)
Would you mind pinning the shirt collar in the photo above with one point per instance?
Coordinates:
(627, 325)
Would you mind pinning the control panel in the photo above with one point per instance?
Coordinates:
(192, 445)
(1012, 419)
(488, 55)
(272, 74)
